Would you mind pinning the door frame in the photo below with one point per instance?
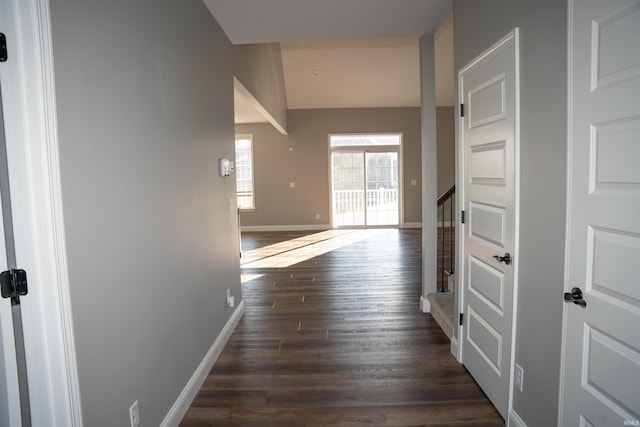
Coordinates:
(36, 198)
(459, 330)
(373, 149)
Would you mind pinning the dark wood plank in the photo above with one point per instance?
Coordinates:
(333, 335)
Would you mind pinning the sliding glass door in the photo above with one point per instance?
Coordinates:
(365, 180)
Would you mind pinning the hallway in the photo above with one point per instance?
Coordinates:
(333, 335)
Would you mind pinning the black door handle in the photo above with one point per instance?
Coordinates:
(575, 296)
(506, 258)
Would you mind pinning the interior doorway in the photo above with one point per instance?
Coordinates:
(488, 146)
(365, 180)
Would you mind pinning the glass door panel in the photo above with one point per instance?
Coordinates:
(348, 190)
(382, 206)
(365, 188)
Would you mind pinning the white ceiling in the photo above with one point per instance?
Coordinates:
(366, 51)
(356, 73)
(263, 21)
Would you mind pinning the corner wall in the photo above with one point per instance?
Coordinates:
(145, 108)
(543, 144)
(303, 157)
(429, 169)
(258, 67)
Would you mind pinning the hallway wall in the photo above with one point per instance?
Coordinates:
(543, 114)
(145, 108)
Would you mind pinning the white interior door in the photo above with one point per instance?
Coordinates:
(9, 386)
(488, 90)
(601, 347)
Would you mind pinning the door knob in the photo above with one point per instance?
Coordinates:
(575, 296)
(506, 258)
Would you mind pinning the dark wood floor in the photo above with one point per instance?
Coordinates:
(333, 336)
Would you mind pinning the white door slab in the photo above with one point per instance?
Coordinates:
(489, 146)
(600, 384)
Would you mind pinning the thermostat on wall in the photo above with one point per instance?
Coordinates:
(225, 167)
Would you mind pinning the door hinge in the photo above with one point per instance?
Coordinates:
(462, 217)
(3, 48)
(461, 319)
(461, 110)
(13, 283)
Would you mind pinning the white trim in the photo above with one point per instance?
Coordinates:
(425, 304)
(305, 227)
(516, 263)
(460, 227)
(182, 404)
(567, 237)
(34, 170)
(515, 420)
(412, 225)
(454, 347)
(246, 93)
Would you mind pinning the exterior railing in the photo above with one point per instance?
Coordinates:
(353, 200)
(382, 207)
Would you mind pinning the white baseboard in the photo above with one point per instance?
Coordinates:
(308, 227)
(515, 420)
(181, 405)
(412, 225)
(425, 305)
(454, 346)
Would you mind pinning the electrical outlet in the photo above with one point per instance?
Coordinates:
(317, 216)
(134, 414)
(519, 377)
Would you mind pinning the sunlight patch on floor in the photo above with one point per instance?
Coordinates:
(245, 278)
(288, 253)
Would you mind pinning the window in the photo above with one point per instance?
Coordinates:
(244, 171)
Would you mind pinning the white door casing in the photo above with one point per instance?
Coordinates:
(9, 385)
(34, 172)
(489, 175)
(600, 374)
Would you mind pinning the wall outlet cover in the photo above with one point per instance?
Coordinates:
(518, 377)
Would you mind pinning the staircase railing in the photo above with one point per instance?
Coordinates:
(446, 252)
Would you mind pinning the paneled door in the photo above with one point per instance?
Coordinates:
(600, 384)
(488, 143)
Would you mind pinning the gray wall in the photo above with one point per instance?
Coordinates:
(429, 161)
(446, 148)
(303, 157)
(145, 108)
(259, 69)
(543, 24)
